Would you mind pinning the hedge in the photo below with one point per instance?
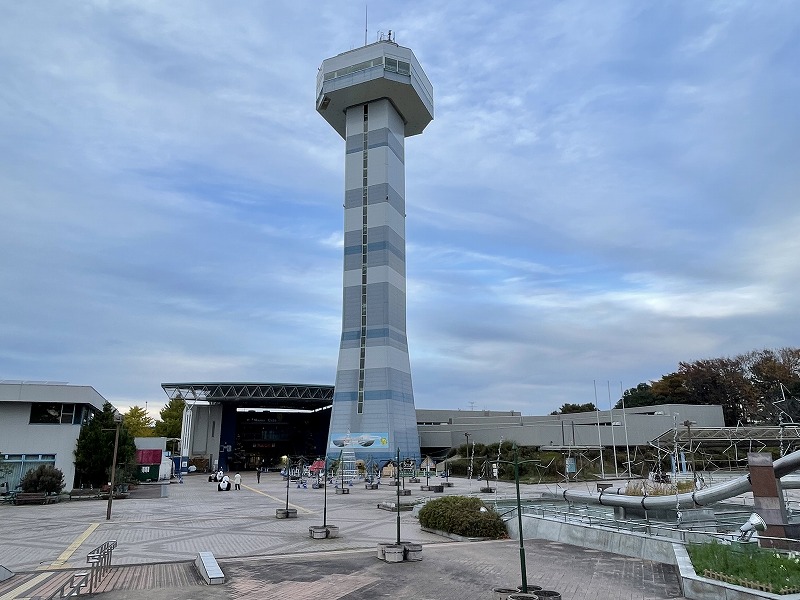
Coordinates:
(462, 516)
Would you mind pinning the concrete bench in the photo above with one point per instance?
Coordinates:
(84, 494)
(209, 569)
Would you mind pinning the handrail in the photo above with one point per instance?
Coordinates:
(100, 561)
(74, 583)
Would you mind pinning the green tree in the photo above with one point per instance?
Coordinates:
(138, 422)
(641, 395)
(171, 419)
(569, 408)
(94, 451)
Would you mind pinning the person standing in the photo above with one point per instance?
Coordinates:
(237, 481)
(258, 474)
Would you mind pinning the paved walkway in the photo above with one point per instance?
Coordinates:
(265, 557)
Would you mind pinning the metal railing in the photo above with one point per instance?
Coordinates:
(725, 521)
(100, 561)
(72, 586)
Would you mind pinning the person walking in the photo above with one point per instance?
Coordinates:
(258, 474)
(237, 481)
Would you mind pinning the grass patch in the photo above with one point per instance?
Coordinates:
(645, 487)
(757, 568)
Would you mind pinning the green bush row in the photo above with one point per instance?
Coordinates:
(462, 516)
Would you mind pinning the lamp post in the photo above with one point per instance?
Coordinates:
(469, 463)
(688, 424)
(324, 492)
(118, 422)
(516, 462)
(397, 482)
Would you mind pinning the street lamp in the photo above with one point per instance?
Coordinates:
(469, 464)
(118, 422)
(516, 462)
(688, 424)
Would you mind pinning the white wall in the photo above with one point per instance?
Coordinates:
(19, 436)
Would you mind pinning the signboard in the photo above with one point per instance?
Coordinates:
(376, 440)
(407, 467)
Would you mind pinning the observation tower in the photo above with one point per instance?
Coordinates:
(374, 97)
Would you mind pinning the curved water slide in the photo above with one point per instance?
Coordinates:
(715, 493)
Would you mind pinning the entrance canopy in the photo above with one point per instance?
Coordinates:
(255, 395)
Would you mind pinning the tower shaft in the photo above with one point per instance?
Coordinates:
(373, 101)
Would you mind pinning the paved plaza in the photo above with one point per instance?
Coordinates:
(265, 557)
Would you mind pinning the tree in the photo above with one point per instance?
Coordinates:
(94, 451)
(722, 381)
(138, 422)
(44, 478)
(569, 408)
(671, 389)
(775, 374)
(171, 419)
(641, 395)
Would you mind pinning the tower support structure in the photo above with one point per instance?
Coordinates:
(374, 97)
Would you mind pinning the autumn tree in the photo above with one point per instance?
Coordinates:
(722, 381)
(775, 375)
(138, 422)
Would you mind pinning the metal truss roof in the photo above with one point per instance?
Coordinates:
(724, 436)
(255, 395)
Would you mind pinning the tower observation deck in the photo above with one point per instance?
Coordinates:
(374, 97)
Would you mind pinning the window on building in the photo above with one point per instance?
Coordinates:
(54, 413)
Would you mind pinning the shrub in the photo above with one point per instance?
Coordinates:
(462, 516)
(44, 478)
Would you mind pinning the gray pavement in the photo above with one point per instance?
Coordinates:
(265, 557)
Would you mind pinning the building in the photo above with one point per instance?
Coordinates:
(240, 426)
(246, 425)
(39, 425)
(441, 430)
(374, 97)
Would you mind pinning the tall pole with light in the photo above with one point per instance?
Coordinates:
(599, 437)
(688, 424)
(516, 462)
(118, 422)
(397, 485)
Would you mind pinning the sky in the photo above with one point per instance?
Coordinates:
(607, 189)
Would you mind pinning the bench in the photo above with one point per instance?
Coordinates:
(31, 498)
(208, 568)
(84, 494)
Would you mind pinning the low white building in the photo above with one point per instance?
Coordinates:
(40, 423)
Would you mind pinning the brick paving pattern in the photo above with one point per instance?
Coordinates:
(265, 557)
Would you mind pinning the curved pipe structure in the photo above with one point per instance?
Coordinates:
(729, 489)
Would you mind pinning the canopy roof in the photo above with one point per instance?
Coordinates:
(255, 395)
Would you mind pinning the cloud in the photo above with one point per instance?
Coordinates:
(604, 192)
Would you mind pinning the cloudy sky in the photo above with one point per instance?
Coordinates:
(608, 188)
